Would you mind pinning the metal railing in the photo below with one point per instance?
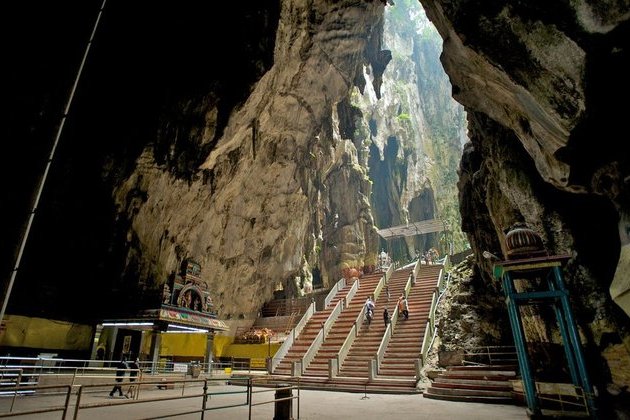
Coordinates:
(73, 400)
(22, 371)
(490, 355)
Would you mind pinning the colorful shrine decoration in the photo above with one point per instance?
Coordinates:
(188, 290)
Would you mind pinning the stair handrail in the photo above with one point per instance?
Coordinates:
(429, 332)
(388, 273)
(379, 288)
(387, 335)
(352, 292)
(326, 326)
(354, 331)
(333, 291)
(491, 352)
(389, 331)
(408, 285)
(441, 282)
(295, 332)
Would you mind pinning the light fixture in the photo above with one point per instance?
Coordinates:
(127, 324)
(173, 328)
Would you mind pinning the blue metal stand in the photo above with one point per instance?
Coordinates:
(557, 296)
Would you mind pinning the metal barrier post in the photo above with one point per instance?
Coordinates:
(67, 403)
(205, 397)
(298, 400)
(249, 397)
(74, 376)
(17, 383)
(284, 407)
(76, 408)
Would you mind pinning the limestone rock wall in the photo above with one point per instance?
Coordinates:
(543, 148)
(281, 191)
(411, 134)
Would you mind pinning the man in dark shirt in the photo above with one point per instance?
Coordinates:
(121, 368)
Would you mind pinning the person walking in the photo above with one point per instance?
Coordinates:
(385, 317)
(403, 306)
(369, 309)
(133, 374)
(121, 368)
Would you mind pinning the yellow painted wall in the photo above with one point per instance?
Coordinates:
(250, 351)
(220, 343)
(195, 345)
(60, 335)
(22, 331)
(183, 344)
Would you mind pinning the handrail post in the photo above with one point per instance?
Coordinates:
(17, 382)
(203, 398)
(78, 403)
(249, 396)
(67, 402)
(74, 376)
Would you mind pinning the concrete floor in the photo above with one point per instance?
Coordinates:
(312, 405)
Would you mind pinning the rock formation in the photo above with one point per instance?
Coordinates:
(281, 190)
(256, 166)
(539, 84)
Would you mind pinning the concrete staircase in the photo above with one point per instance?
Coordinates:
(405, 345)
(367, 342)
(398, 371)
(308, 334)
(342, 326)
(485, 384)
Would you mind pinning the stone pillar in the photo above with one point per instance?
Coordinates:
(297, 369)
(333, 367)
(209, 353)
(143, 336)
(372, 369)
(97, 336)
(111, 344)
(155, 349)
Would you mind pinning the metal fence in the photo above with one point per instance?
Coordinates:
(83, 397)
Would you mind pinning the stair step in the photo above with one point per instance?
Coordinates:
(479, 373)
(473, 382)
(469, 392)
(469, 398)
(404, 347)
(506, 387)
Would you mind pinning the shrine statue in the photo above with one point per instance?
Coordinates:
(209, 304)
(166, 294)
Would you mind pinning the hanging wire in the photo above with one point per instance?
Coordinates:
(42, 182)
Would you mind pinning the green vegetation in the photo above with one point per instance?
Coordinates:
(442, 119)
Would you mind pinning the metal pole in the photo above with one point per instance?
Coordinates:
(205, 397)
(40, 188)
(520, 342)
(564, 330)
(576, 344)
